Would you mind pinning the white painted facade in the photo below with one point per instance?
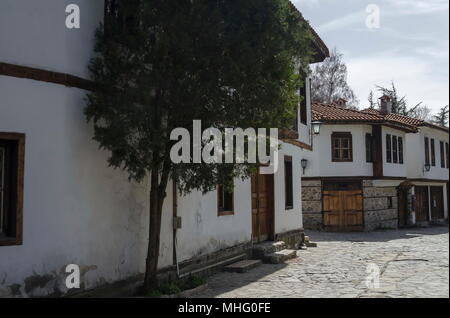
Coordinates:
(320, 162)
(77, 209)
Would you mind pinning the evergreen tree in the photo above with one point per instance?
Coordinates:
(161, 64)
(441, 118)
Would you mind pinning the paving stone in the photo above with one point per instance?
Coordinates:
(413, 263)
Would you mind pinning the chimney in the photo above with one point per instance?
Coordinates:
(341, 103)
(386, 104)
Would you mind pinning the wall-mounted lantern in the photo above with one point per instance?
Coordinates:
(304, 164)
(427, 167)
(316, 127)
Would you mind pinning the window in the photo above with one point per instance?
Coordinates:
(433, 153)
(442, 152)
(394, 149)
(369, 148)
(288, 182)
(341, 144)
(303, 104)
(400, 150)
(225, 201)
(447, 155)
(388, 148)
(11, 187)
(427, 151)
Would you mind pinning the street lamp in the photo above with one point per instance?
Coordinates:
(304, 164)
(316, 127)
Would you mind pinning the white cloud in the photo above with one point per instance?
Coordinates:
(417, 7)
(414, 77)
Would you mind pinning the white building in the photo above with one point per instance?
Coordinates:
(61, 204)
(368, 170)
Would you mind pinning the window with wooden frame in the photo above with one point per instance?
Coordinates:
(427, 151)
(400, 151)
(442, 151)
(369, 148)
(303, 104)
(447, 154)
(394, 149)
(341, 147)
(288, 183)
(225, 201)
(12, 149)
(388, 148)
(433, 153)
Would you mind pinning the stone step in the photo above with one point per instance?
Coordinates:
(280, 257)
(261, 249)
(310, 244)
(243, 266)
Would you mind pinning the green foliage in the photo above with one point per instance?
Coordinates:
(192, 282)
(160, 64)
(441, 118)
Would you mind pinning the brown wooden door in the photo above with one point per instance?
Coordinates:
(262, 207)
(343, 210)
(402, 207)
(437, 203)
(421, 205)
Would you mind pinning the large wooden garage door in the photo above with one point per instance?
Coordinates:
(343, 206)
(437, 203)
(422, 206)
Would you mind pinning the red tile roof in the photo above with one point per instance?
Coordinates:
(333, 113)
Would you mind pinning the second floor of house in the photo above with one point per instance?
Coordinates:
(352, 143)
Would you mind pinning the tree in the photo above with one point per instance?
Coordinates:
(441, 118)
(329, 81)
(400, 104)
(161, 64)
(372, 103)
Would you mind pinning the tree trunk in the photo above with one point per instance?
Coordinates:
(150, 280)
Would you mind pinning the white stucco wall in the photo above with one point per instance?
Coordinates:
(415, 144)
(320, 162)
(34, 33)
(76, 208)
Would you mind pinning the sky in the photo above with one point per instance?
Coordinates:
(410, 46)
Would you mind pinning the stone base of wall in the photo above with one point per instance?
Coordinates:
(293, 239)
(312, 205)
(380, 207)
(313, 221)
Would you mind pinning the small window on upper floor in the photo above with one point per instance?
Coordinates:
(388, 148)
(447, 154)
(303, 102)
(289, 183)
(433, 153)
(427, 150)
(394, 149)
(369, 148)
(400, 150)
(342, 147)
(11, 188)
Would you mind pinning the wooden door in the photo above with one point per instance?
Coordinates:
(262, 207)
(343, 208)
(422, 207)
(402, 207)
(437, 203)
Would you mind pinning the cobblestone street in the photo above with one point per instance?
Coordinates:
(412, 262)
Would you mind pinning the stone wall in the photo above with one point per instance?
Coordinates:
(312, 205)
(377, 212)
